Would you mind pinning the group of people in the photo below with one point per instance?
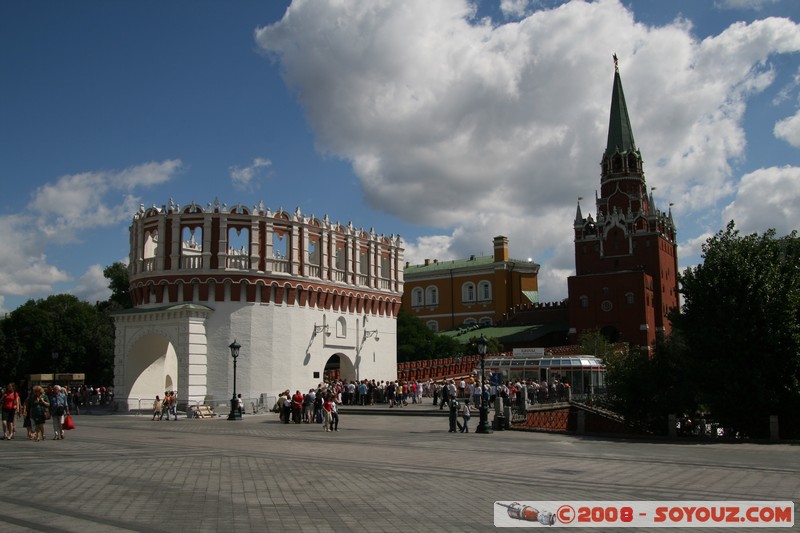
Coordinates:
(315, 407)
(35, 409)
(168, 406)
(401, 393)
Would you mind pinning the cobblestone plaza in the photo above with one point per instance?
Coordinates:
(377, 473)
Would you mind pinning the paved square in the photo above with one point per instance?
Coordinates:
(378, 473)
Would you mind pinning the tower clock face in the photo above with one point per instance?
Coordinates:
(606, 305)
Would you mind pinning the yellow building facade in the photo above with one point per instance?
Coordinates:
(474, 291)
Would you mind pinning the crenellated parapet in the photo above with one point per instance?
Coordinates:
(649, 220)
(201, 254)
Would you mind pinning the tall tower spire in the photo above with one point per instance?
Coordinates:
(622, 181)
(626, 265)
(620, 133)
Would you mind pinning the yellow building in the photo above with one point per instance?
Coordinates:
(464, 292)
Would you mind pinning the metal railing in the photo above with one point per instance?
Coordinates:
(220, 407)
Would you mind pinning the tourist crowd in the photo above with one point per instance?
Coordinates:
(40, 404)
(320, 405)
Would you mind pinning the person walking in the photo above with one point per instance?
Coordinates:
(165, 406)
(173, 405)
(59, 409)
(334, 416)
(453, 405)
(326, 411)
(466, 414)
(157, 408)
(40, 407)
(11, 406)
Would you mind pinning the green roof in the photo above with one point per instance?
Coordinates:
(508, 334)
(472, 262)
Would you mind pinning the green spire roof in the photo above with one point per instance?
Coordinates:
(620, 134)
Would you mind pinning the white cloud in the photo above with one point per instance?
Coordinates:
(788, 129)
(24, 270)
(92, 285)
(514, 8)
(767, 198)
(242, 177)
(94, 199)
(58, 213)
(484, 129)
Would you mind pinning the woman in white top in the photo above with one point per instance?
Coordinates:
(334, 424)
(466, 414)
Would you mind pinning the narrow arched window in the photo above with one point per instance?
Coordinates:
(484, 291)
(431, 296)
(417, 299)
(468, 292)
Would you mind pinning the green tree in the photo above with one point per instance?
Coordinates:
(416, 341)
(645, 390)
(117, 276)
(595, 343)
(741, 324)
(80, 334)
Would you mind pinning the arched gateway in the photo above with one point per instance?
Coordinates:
(302, 296)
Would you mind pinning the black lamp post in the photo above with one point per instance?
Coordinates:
(235, 413)
(483, 425)
(55, 364)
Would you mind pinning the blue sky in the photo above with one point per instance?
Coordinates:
(447, 122)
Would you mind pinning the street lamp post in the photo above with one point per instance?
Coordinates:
(55, 364)
(235, 413)
(483, 425)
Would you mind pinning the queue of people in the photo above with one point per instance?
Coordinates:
(401, 393)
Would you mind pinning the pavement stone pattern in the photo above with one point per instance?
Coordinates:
(379, 473)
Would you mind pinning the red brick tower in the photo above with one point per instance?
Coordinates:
(626, 258)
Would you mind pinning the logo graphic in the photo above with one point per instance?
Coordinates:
(518, 511)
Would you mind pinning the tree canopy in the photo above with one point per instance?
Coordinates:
(416, 341)
(117, 276)
(740, 322)
(82, 337)
(80, 333)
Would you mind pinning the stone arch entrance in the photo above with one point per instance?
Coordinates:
(151, 369)
(339, 367)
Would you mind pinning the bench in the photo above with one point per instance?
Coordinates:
(203, 411)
